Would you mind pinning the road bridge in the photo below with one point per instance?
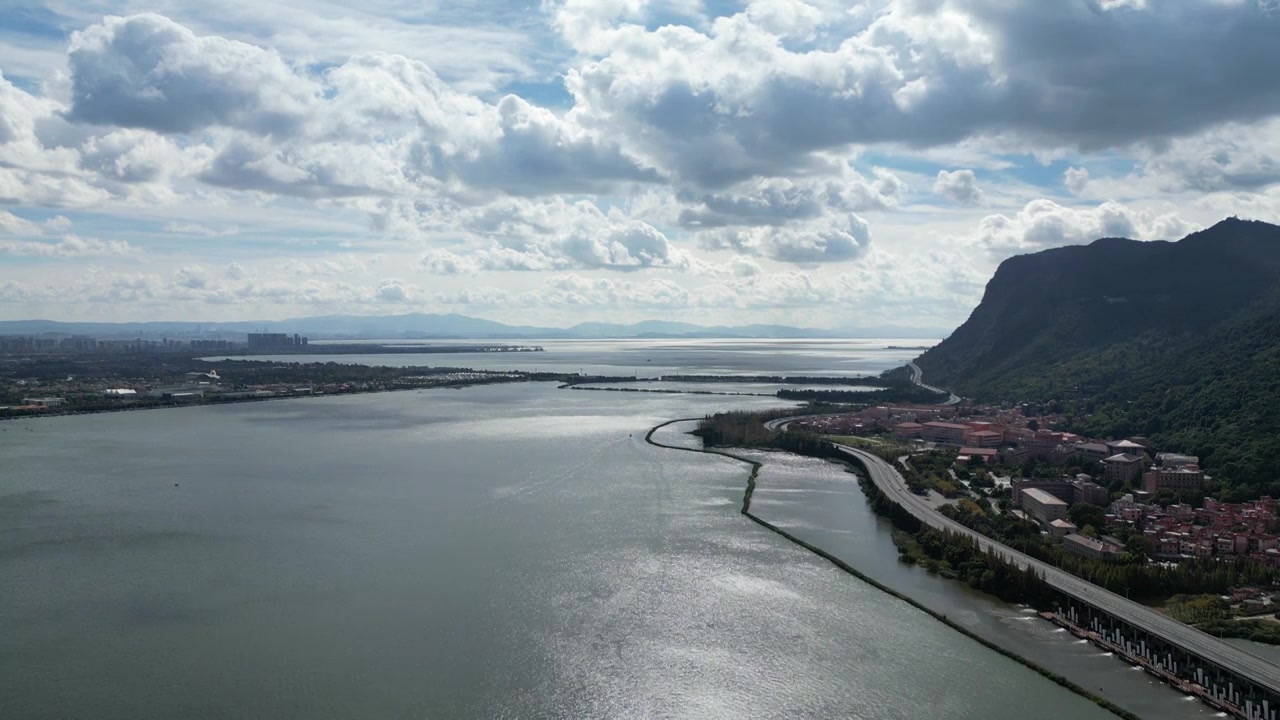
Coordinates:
(1238, 681)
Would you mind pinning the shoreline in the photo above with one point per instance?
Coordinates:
(846, 567)
(48, 415)
(500, 378)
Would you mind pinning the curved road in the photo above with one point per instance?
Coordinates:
(917, 377)
(1250, 666)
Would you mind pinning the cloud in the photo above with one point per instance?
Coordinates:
(375, 124)
(393, 291)
(779, 201)
(25, 121)
(786, 18)
(1230, 157)
(1045, 224)
(193, 278)
(445, 262)
(1076, 180)
(744, 267)
(731, 102)
(146, 71)
(839, 239)
(11, 224)
(68, 247)
(138, 156)
(191, 228)
(577, 291)
(960, 186)
(555, 235)
(652, 155)
(316, 172)
(41, 189)
(538, 152)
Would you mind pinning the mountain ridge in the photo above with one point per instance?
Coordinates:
(1178, 341)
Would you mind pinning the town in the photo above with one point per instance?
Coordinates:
(1159, 500)
(58, 384)
(55, 344)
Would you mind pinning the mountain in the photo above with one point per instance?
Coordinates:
(412, 325)
(409, 325)
(1177, 341)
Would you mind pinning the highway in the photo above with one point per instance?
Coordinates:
(917, 377)
(1247, 665)
(1212, 649)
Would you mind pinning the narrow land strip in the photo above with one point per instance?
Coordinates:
(846, 567)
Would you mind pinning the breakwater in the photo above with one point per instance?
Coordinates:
(752, 478)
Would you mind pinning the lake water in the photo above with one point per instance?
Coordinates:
(820, 502)
(502, 551)
(650, 358)
(742, 388)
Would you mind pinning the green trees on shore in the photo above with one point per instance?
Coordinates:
(1130, 574)
(958, 556)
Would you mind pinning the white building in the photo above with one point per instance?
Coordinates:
(1043, 506)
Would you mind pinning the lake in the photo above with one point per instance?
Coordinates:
(501, 551)
(650, 357)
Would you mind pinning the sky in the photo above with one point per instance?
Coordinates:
(819, 163)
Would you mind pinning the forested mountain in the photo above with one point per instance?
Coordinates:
(1178, 341)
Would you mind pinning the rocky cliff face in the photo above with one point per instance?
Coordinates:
(1051, 307)
(1175, 341)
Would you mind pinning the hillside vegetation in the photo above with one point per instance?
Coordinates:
(1177, 341)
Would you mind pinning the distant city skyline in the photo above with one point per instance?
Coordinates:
(810, 163)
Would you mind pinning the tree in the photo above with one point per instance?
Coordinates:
(1089, 531)
(1138, 545)
(1033, 425)
(1082, 514)
(1194, 498)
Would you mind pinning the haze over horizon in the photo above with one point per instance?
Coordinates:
(798, 162)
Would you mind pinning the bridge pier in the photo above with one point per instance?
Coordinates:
(1223, 688)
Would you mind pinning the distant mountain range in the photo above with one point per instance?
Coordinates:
(1176, 341)
(428, 326)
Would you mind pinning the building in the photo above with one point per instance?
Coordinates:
(1122, 467)
(275, 341)
(978, 455)
(1068, 490)
(181, 393)
(1062, 528)
(1187, 477)
(1087, 491)
(984, 438)
(1176, 460)
(1058, 487)
(1129, 447)
(1042, 506)
(1093, 451)
(211, 345)
(1018, 436)
(120, 393)
(44, 402)
(907, 431)
(944, 432)
(1089, 547)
